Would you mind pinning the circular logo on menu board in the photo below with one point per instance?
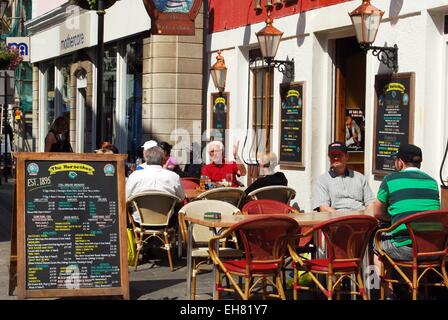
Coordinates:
(32, 169)
(109, 170)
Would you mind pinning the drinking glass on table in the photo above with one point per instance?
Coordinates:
(229, 179)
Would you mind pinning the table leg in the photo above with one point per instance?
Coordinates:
(214, 269)
(189, 267)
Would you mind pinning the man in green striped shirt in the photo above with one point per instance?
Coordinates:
(401, 194)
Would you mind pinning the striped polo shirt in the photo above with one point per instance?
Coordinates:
(406, 192)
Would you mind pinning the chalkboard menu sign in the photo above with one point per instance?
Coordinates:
(71, 224)
(394, 118)
(220, 116)
(291, 124)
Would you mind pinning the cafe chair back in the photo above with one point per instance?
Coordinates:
(265, 240)
(428, 231)
(202, 234)
(188, 183)
(226, 194)
(346, 241)
(279, 193)
(155, 209)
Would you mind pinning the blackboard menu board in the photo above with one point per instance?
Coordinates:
(72, 227)
(291, 124)
(394, 118)
(220, 116)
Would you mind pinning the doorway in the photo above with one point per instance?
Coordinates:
(350, 93)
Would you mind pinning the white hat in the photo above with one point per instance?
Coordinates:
(149, 144)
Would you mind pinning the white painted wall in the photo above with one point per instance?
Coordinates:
(40, 7)
(415, 26)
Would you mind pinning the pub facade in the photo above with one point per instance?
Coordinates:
(336, 90)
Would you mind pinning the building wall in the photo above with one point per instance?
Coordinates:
(172, 88)
(309, 37)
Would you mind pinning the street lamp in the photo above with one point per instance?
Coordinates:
(366, 20)
(219, 72)
(269, 39)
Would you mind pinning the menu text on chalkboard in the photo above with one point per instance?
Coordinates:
(71, 227)
(394, 118)
(291, 124)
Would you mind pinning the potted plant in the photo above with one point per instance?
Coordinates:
(9, 57)
(92, 4)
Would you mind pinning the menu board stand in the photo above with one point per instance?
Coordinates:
(291, 144)
(70, 225)
(394, 118)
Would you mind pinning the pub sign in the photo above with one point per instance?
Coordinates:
(172, 17)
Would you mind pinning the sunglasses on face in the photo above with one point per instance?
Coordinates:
(214, 151)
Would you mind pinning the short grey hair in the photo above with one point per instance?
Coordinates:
(217, 144)
(154, 156)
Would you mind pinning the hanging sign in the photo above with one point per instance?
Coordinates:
(172, 17)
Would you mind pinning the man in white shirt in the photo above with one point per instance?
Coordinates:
(153, 177)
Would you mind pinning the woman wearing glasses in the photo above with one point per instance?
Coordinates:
(218, 169)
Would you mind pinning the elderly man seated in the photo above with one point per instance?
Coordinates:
(153, 177)
(220, 169)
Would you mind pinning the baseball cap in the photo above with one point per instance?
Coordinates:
(409, 153)
(337, 147)
(149, 144)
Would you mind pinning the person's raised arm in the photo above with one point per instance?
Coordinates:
(241, 166)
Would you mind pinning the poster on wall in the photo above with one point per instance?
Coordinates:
(354, 129)
(219, 116)
(394, 118)
(172, 17)
(291, 125)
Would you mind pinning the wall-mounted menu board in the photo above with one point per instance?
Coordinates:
(394, 118)
(291, 143)
(219, 116)
(71, 225)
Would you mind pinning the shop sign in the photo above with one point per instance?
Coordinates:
(172, 17)
(22, 44)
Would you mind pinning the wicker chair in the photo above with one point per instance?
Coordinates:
(226, 194)
(201, 234)
(155, 209)
(265, 239)
(428, 231)
(346, 239)
(280, 193)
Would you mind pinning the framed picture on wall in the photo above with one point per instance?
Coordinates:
(291, 138)
(393, 118)
(219, 116)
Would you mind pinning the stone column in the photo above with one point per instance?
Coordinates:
(172, 88)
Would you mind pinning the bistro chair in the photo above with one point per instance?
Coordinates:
(280, 193)
(155, 209)
(428, 231)
(202, 234)
(346, 239)
(265, 240)
(226, 194)
(275, 207)
(188, 183)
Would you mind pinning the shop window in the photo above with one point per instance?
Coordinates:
(134, 75)
(66, 88)
(50, 84)
(109, 94)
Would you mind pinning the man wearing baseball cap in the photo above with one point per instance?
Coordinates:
(341, 189)
(401, 194)
(146, 146)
